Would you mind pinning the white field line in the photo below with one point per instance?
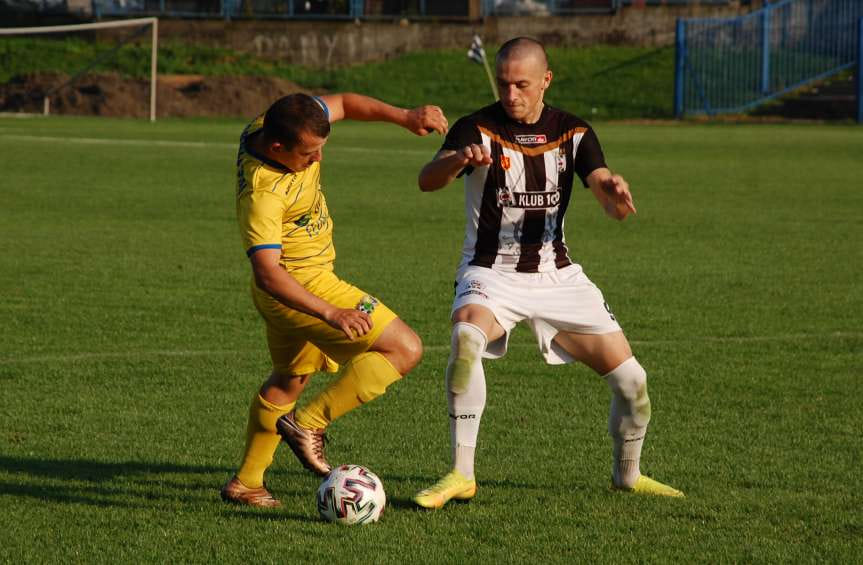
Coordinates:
(186, 144)
(221, 352)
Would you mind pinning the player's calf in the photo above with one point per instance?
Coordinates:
(627, 420)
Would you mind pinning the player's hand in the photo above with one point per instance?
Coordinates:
(620, 203)
(426, 119)
(475, 155)
(350, 321)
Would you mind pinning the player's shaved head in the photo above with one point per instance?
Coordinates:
(521, 48)
(293, 114)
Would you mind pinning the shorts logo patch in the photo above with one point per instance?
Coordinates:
(475, 284)
(477, 292)
(367, 304)
(530, 139)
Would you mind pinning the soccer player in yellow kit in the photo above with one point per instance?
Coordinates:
(314, 320)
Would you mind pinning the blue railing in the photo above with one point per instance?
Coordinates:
(355, 9)
(729, 65)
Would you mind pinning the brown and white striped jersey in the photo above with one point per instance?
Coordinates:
(515, 207)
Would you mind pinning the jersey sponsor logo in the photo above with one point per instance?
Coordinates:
(303, 220)
(504, 196)
(507, 198)
(505, 162)
(531, 139)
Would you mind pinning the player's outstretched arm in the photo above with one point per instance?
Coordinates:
(612, 192)
(421, 120)
(278, 283)
(447, 164)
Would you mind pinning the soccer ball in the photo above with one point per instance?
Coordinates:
(351, 494)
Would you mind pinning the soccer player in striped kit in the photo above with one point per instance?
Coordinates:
(519, 158)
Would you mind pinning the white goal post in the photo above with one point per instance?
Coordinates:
(154, 22)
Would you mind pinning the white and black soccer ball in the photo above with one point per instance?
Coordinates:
(351, 494)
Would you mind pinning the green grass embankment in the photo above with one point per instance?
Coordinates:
(599, 82)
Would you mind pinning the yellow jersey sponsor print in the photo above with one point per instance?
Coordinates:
(281, 209)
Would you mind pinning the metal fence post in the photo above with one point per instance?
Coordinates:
(765, 50)
(860, 71)
(679, 66)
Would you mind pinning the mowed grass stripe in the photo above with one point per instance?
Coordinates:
(426, 347)
(181, 144)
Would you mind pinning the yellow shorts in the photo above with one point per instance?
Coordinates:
(301, 344)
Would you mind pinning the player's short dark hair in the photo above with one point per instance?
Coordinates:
(292, 114)
(520, 45)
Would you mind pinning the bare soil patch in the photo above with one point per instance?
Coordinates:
(117, 96)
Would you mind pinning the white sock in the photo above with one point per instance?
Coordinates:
(465, 387)
(627, 420)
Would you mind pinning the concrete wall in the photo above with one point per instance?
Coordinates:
(322, 44)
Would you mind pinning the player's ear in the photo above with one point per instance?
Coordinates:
(547, 81)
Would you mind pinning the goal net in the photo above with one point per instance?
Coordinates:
(73, 55)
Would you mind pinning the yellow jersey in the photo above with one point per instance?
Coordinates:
(281, 209)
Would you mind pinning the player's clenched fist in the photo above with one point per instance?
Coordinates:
(426, 119)
(475, 155)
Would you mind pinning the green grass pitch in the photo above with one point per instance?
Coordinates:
(129, 351)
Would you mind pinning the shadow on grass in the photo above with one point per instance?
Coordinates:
(409, 505)
(98, 471)
(125, 484)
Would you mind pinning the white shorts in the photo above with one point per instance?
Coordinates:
(551, 302)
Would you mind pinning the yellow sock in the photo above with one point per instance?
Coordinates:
(261, 440)
(364, 378)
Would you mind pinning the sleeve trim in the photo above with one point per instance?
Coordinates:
(323, 106)
(251, 251)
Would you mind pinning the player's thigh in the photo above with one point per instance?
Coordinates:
(292, 355)
(601, 352)
(491, 301)
(566, 305)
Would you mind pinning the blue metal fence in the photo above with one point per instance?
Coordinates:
(356, 9)
(728, 65)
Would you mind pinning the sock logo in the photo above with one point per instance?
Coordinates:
(463, 416)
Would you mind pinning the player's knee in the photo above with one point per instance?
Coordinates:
(628, 383)
(410, 352)
(413, 351)
(468, 342)
(629, 380)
